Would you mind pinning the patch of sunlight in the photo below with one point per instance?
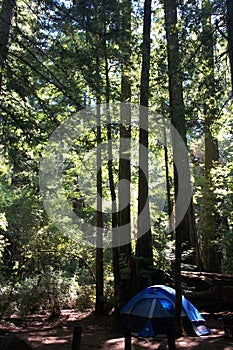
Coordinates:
(114, 341)
(52, 340)
(184, 344)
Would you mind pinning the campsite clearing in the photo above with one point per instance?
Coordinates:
(97, 333)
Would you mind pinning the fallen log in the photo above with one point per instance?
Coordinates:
(210, 292)
(207, 278)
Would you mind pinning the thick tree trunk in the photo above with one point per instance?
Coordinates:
(210, 253)
(6, 16)
(188, 234)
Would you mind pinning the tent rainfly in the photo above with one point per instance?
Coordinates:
(151, 312)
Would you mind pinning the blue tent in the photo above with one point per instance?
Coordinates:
(151, 312)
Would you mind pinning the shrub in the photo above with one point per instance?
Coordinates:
(46, 291)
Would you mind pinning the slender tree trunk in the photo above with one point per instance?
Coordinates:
(211, 254)
(115, 249)
(184, 230)
(144, 254)
(229, 4)
(124, 216)
(100, 299)
(177, 118)
(99, 305)
(6, 16)
(166, 161)
(125, 127)
(144, 242)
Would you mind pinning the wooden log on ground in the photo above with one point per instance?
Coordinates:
(205, 280)
(209, 292)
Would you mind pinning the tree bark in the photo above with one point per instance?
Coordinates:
(166, 162)
(124, 214)
(99, 305)
(229, 4)
(210, 254)
(100, 299)
(144, 241)
(177, 112)
(6, 17)
(125, 127)
(211, 292)
(184, 230)
(115, 240)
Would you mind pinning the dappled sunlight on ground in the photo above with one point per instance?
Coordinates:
(114, 344)
(97, 333)
(215, 341)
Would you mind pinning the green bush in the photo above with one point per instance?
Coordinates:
(47, 291)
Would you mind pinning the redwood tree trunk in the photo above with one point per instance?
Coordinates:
(184, 230)
(125, 127)
(177, 111)
(144, 242)
(144, 252)
(211, 254)
(115, 240)
(99, 305)
(124, 214)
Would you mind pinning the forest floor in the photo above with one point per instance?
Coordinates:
(47, 334)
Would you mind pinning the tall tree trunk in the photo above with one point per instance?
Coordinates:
(6, 16)
(177, 112)
(211, 254)
(229, 4)
(144, 253)
(115, 249)
(99, 305)
(125, 127)
(185, 230)
(100, 299)
(124, 216)
(166, 162)
(144, 241)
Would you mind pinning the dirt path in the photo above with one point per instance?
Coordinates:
(97, 333)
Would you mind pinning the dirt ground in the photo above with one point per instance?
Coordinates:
(44, 334)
